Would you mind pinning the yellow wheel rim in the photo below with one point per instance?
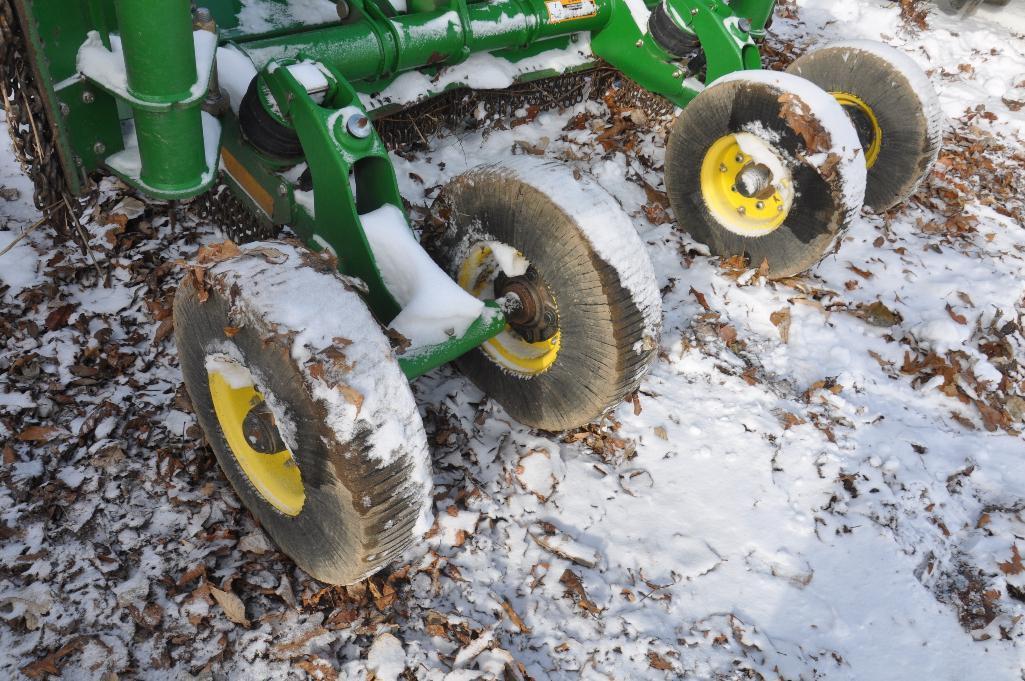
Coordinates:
(275, 476)
(477, 275)
(736, 204)
(849, 101)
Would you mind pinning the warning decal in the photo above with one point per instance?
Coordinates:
(568, 10)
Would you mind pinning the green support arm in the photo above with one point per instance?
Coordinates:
(353, 176)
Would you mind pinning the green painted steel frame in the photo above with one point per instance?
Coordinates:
(357, 177)
(372, 50)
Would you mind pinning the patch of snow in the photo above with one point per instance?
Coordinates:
(107, 66)
(434, 308)
(261, 16)
(386, 658)
(234, 73)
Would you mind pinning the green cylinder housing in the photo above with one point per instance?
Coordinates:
(160, 59)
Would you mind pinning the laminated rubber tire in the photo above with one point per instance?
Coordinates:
(588, 258)
(802, 146)
(343, 483)
(892, 105)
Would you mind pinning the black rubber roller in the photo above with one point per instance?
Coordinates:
(262, 130)
(670, 37)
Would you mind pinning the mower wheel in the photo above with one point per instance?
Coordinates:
(893, 107)
(305, 407)
(588, 313)
(765, 165)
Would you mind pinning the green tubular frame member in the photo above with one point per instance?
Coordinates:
(364, 52)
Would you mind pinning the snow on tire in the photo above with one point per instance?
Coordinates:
(894, 107)
(546, 221)
(275, 348)
(767, 166)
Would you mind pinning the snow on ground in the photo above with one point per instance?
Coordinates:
(820, 478)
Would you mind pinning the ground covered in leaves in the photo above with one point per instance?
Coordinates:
(820, 478)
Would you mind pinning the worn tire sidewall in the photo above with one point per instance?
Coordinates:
(816, 216)
(323, 538)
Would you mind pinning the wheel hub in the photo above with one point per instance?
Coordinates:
(535, 318)
(252, 435)
(746, 184)
(261, 431)
(534, 314)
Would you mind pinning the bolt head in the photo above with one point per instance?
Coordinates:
(282, 190)
(358, 125)
(779, 208)
(741, 210)
(640, 43)
(99, 148)
(744, 24)
(760, 205)
(723, 168)
(739, 158)
(65, 109)
(88, 97)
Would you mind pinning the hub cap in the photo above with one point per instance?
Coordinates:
(252, 435)
(745, 185)
(531, 340)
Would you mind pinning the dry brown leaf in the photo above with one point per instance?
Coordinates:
(661, 432)
(791, 420)
(959, 318)
(38, 433)
(656, 661)
(513, 616)
(215, 253)
(232, 605)
(728, 334)
(1013, 566)
(58, 318)
(700, 297)
(50, 665)
(271, 255)
(781, 320)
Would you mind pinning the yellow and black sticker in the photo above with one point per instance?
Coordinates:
(568, 10)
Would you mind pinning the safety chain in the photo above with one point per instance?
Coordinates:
(30, 131)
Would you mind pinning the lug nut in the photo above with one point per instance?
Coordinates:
(99, 148)
(358, 125)
(88, 97)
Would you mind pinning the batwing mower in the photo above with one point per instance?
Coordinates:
(298, 355)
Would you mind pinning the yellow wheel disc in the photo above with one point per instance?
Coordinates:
(732, 200)
(855, 103)
(275, 476)
(477, 275)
